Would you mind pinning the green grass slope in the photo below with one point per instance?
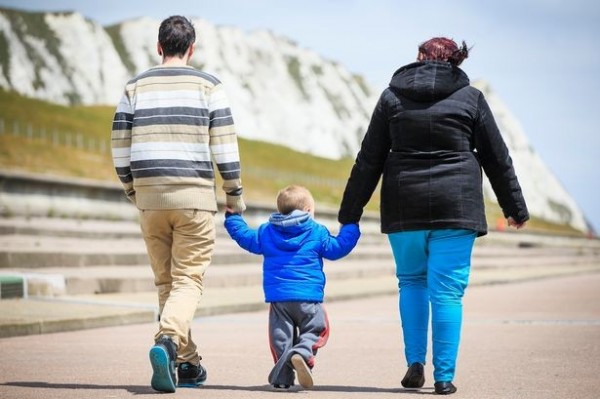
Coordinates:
(41, 137)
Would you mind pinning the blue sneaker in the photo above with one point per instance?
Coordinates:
(162, 358)
(190, 376)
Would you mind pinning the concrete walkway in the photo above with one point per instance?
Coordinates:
(536, 339)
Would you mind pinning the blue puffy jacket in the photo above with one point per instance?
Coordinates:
(293, 247)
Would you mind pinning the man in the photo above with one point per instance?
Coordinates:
(170, 124)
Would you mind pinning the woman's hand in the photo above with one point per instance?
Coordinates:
(513, 223)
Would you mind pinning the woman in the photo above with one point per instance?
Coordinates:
(430, 135)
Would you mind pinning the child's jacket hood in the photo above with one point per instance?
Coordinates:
(291, 229)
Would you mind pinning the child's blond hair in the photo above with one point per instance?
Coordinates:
(294, 197)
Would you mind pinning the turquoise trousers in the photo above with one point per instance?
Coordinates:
(433, 268)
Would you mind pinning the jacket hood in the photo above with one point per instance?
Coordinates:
(429, 80)
(291, 229)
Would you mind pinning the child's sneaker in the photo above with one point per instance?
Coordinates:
(162, 358)
(280, 386)
(190, 376)
(302, 371)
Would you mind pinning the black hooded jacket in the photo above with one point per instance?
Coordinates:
(430, 135)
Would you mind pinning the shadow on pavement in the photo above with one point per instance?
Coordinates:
(344, 388)
(145, 389)
(319, 388)
(135, 389)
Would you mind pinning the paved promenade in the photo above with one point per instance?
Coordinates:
(530, 339)
(532, 318)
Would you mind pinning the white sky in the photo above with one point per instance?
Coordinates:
(542, 57)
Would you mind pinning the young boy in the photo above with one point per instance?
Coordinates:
(293, 246)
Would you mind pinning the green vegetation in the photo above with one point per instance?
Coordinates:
(35, 155)
(337, 103)
(4, 56)
(34, 24)
(90, 121)
(317, 70)
(114, 32)
(293, 66)
(266, 167)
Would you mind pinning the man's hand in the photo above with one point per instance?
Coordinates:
(230, 210)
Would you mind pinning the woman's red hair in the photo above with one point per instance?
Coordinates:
(443, 49)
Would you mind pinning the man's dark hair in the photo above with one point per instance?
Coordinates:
(175, 35)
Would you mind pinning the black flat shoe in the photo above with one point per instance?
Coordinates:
(414, 377)
(444, 388)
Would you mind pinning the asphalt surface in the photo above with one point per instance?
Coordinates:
(529, 339)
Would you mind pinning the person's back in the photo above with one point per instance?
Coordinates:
(178, 117)
(293, 246)
(170, 123)
(430, 135)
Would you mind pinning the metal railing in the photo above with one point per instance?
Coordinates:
(53, 136)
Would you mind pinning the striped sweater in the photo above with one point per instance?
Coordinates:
(169, 127)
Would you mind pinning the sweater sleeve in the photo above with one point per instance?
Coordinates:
(244, 236)
(368, 166)
(121, 144)
(224, 147)
(497, 164)
(340, 246)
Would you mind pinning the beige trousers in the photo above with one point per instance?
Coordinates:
(180, 244)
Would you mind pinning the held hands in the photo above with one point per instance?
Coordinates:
(513, 223)
(230, 211)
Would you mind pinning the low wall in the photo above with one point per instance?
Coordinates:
(30, 194)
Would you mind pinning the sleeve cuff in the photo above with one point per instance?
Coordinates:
(131, 197)
(236, 203)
